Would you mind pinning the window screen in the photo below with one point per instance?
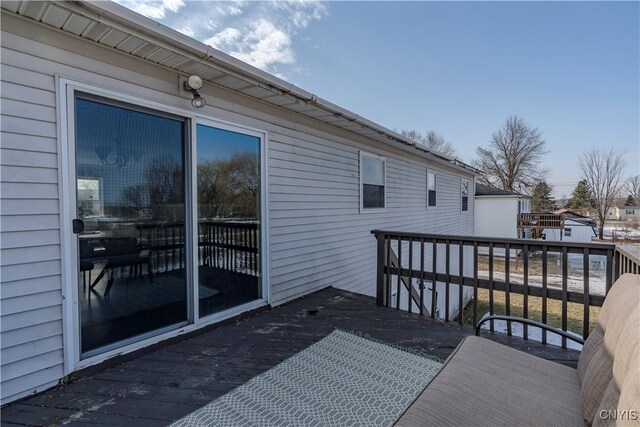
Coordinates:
(431, 189)
(373, 180)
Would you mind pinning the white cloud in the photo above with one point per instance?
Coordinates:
(261, 33)
(224, 39)
(263, 45)
(154, 9)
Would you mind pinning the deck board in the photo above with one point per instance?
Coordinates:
(164, 385)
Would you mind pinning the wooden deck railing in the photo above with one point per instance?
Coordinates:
(627, 260)
(463, 265)
(228, 245)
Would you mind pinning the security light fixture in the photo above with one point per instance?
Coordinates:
(192, 84)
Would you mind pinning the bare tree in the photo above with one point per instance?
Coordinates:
(602, 170)
(513, 159)
(632, 188)
(432, 140)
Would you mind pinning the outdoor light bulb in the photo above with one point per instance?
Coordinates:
(198, 101)
(194, 82)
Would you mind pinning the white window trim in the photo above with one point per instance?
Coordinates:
(468, 181)
(435, 185)
(66, 89)
(361, 155)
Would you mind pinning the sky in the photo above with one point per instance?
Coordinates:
(571, 69)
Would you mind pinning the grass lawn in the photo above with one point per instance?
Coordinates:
(554, 310)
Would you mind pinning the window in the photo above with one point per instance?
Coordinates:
(134, 205)
(431, 188)
(567, 232)
(372, 182)
(464, 192)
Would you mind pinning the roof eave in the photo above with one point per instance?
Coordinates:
(129, 19)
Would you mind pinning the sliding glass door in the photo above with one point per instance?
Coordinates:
(130, 220)
(228, 180)
(148, 260)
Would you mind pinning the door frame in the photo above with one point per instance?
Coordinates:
(65, 91)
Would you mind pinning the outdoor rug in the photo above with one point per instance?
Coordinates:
(342, 380)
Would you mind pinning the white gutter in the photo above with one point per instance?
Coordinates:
(155, 33)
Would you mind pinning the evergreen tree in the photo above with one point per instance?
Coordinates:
(541, 200)
(631, 201)
(581, 198)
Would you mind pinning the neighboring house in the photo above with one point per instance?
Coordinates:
(613, 213)
(496, 211)
(577, 228)
(623, 213)
(130, 215)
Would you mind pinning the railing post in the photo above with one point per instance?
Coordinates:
(381, 296)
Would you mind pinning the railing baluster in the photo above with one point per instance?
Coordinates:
(565, 272)
(399, 272)
(421, 279)
(461, 287)
(434, 282)
(585, 290)
(544, 291)
(388, 267)
(507, 284)
(409, 293)
(609, 271)
(491, 284)
(166, 253)
(475, 284)
(525, 293)
(380, 296)
(448, 279)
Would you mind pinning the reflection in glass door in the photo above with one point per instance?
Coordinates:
(229, 183)
(131, 222)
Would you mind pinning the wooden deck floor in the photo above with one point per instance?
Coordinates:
(162, 386)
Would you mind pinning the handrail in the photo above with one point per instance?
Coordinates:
(530, 323)
(442, 238)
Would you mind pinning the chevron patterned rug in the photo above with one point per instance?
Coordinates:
(342, 380)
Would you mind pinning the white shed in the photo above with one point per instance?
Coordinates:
(131, 213)
(497, 210)
(577, 228)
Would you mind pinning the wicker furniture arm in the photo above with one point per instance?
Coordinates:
(529, 322)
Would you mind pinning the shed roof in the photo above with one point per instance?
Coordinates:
(488, 190)
(115, 26)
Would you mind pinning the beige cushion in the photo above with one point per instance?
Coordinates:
(486, 383)
(630, 395)
(591, 348)
(611, 351)
(596, 367)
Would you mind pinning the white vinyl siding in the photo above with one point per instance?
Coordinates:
(318, 237)
(31, 304)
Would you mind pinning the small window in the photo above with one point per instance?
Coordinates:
(431, 188)
(567, 232)
(464, 193)
(372, 178)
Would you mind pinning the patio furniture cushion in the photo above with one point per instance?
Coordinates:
(612, 353)
(486, 383)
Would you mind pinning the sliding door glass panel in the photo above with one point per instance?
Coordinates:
(228, 218)
(131, 198)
